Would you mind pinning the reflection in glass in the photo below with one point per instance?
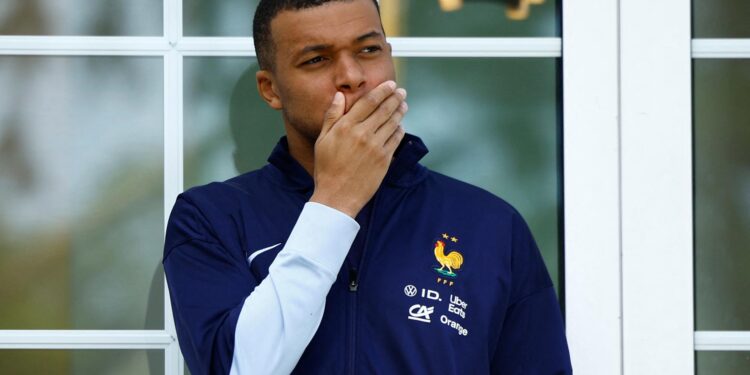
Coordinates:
(400, 18)
(721, 19)
(722, 363)
(722, 194)
(82, 362)
(498, 116)
(81, 191)
(81, 17)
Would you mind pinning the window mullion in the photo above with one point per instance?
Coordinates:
(657, 214)
(591, 185)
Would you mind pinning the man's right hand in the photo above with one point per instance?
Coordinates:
(354, 150)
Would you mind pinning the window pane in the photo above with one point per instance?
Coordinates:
(473, 18)
(721, 18)
(498, 116)
(81, 191)
(228, 128)
(722, 363)
(82, 362)
(400, 18)
(722, 194)
(218, 18)
(81, 17)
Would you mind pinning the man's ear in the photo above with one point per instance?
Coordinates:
(267, 89)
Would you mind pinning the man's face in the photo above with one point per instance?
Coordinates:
(338, 46)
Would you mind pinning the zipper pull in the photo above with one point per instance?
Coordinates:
(353, 280)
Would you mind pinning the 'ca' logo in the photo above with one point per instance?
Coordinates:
(410, 290)
(420, 313)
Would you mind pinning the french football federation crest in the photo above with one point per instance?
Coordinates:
(448, 263)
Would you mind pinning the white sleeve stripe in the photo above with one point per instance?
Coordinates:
(261, 251)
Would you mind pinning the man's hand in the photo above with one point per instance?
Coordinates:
(354, 150)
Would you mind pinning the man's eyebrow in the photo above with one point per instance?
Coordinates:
(371, 34)
(323, 47)
(315, 48)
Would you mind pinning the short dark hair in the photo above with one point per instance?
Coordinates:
(265, 13)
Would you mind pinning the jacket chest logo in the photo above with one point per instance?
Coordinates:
(449, 263)
(450, 312)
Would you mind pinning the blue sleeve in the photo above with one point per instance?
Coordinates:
(532, 338)
(208, 285)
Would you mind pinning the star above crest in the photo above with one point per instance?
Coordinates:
(447, 236)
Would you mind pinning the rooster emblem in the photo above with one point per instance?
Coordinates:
(452, 261)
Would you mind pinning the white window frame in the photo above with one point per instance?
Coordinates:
(656, 187)
(629, 238)
(593, 274)
(627, 183)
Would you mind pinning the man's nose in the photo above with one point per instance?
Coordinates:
(350, 76)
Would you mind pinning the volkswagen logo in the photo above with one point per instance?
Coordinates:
(410, 290)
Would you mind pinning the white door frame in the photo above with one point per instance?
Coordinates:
(591, 161)
(628, 186)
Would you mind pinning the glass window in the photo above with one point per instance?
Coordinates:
(81, 17)
(458, 18)
(218, 18)
(721, 19)
(722, 194)
(228, 129)
(81, 362)
(430, 18)
(497, 115)
(723, 363)
(81, 191)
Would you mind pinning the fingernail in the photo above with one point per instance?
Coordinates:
(401, 92)
(391, 84)
(404, 107)
(338, 98)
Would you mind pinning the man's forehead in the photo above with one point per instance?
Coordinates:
(331, 23)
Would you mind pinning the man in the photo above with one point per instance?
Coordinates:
(343, 254)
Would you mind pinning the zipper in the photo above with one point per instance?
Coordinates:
(352, 335)
(354, 274)
(353, 282)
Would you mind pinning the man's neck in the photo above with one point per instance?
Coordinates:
(302, 150)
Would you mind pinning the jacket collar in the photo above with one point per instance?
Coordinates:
(404, 171)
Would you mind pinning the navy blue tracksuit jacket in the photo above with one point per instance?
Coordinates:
(442, 277)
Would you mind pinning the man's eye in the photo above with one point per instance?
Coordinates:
(314, 60)
(370, 49)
